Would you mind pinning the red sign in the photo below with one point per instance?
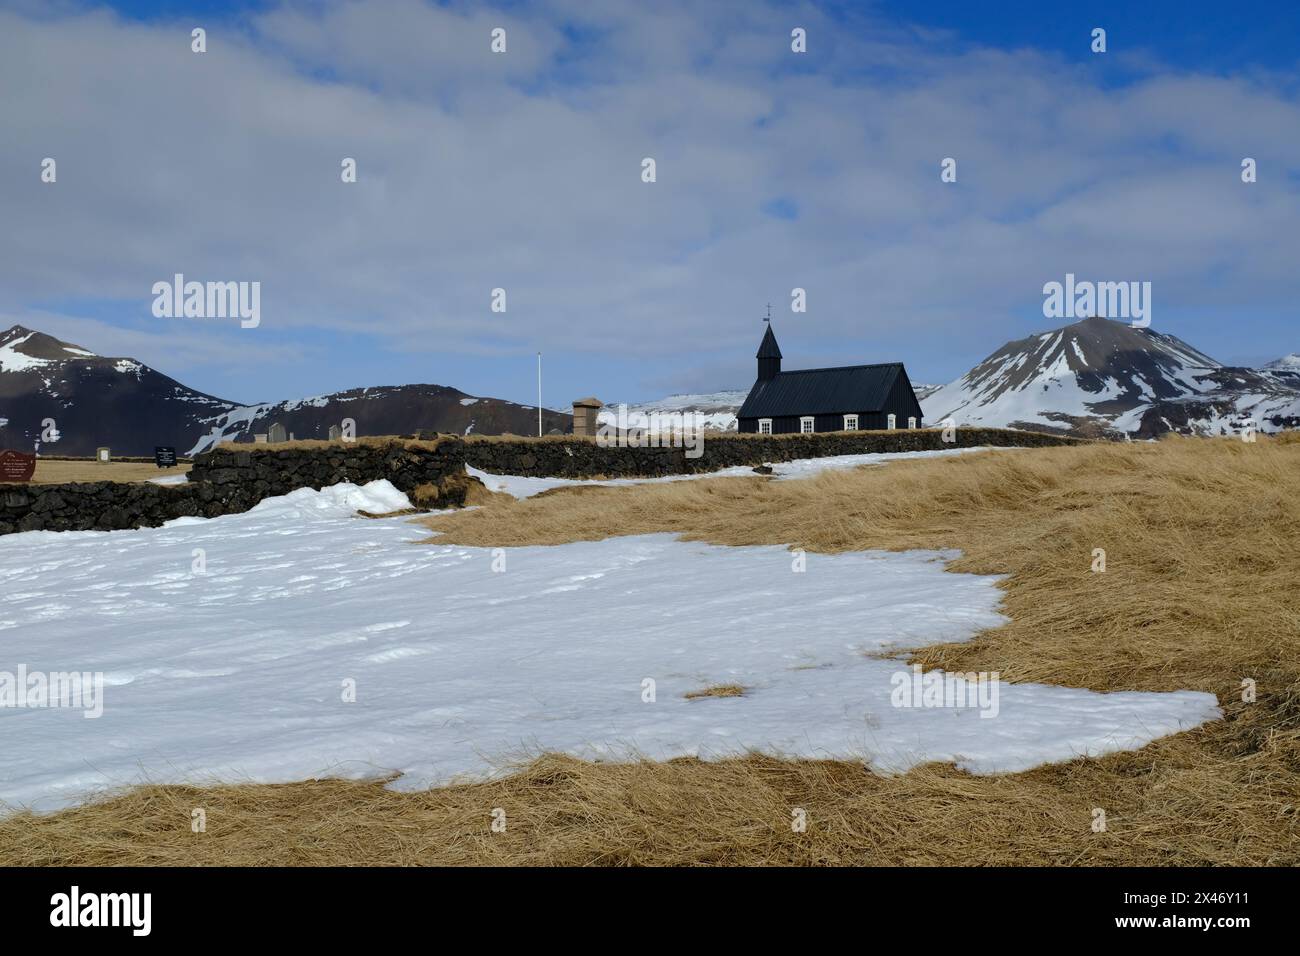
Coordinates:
(15, 466)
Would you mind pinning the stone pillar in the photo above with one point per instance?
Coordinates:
(584, 416)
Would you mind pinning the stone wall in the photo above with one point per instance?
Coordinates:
(408, 464)
(230, 480)
(111, 505)
(278, 469)
(583, 458)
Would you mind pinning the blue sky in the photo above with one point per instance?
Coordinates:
(1185, 34)
(522, 171)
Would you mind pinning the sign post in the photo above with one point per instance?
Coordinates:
(16, 466)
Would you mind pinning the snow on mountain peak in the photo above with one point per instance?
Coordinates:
(1092, 371)
(12, 359)
(1099, 376)
(23, 349)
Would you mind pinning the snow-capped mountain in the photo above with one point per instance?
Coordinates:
(1093, 377)
(924, 391)
(1098, 376)
(67, 400)
(717, 409)
(122, 403)
(1285, 371)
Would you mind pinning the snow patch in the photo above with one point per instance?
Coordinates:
(235, 675)
(343, 499)
(12, 360)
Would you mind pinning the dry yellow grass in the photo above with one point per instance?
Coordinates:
(54, 472)
(1202, 542)
(429, 495)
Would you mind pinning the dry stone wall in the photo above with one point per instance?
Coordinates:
(583, 458)
(232, 479)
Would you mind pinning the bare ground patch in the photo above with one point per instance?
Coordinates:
(58, 471)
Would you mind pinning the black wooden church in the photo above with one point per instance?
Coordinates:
(826, 399)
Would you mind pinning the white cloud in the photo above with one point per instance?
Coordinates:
(522, 171)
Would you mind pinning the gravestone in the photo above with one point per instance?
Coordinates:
(103, 455)
(259, 438)
(276, 434)
(16, 466)
(335, 433)
(164, 456)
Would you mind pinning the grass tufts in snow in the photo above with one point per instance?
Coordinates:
(717, 690)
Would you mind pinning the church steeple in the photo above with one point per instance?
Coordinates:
(769, 356)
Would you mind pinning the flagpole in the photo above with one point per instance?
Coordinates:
(539, 394)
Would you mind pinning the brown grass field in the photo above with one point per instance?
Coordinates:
(58, 471)
(1202, 541)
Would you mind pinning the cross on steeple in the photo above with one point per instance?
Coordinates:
(768, 317)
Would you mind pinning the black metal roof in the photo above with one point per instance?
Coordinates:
(821, 391)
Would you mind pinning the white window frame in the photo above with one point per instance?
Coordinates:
(850, 423)
(807, 425)
(891, 421)
(911, 421)
(765, 426)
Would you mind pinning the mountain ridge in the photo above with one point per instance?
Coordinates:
(1099, 377)
(1092, 378)
(119, 402)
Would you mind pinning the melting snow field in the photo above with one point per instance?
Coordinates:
(238, 673)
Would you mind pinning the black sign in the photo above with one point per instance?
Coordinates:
(164, 457)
